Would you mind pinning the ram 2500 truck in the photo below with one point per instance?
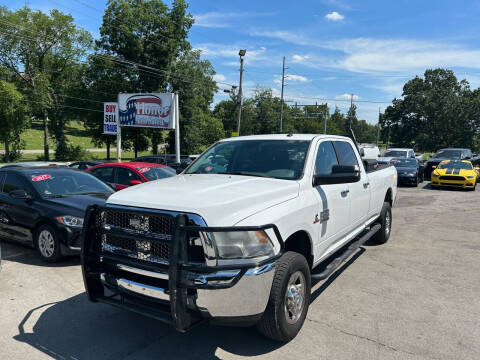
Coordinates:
(238, 237)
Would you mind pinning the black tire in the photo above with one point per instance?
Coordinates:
(385, 220)
(416, 183)
(274, 323)
(49, 253)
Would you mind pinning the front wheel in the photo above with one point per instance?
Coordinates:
(47, 244)
(289, 298)
(385, 220)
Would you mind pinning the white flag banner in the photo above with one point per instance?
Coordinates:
(146, 110)
(110, 118)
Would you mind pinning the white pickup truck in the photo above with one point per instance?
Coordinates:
(239, 235)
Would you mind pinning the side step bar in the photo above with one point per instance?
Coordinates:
(340, 259)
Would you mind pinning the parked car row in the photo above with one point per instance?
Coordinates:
(43, 204)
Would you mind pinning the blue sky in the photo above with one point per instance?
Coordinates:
(333, 48)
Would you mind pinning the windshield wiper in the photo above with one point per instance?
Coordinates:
(243, 173)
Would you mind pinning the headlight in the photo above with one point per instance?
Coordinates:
(412, 174)
(470, 177)
(434, 175)
(70, 221)
(243, 244)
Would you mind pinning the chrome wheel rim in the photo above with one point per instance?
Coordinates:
(46, 243)
(388, 223)
(295, 297)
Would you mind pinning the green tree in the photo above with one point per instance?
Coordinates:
(436, 111)
(147, 39)
(43, 51)
(13, 119)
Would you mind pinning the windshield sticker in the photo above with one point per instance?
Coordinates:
(41, 177)
(144, 170)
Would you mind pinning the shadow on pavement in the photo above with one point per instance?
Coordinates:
(23, 254)
(77, 329)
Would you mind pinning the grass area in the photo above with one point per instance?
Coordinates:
(75, 131)
(126, 156)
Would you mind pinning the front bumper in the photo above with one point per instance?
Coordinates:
(407, 180)
(468, 183)
(178, 292)
(71, 240)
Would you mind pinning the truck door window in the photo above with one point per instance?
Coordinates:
(326, 158)
(345, 153)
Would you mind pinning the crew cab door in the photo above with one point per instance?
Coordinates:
(332, 217)
(357, 192)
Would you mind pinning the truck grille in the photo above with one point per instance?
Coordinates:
(456, 178)
(156, 226)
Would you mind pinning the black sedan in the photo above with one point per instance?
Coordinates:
(45, 207)
(410, 171)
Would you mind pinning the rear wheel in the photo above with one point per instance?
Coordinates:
(289, 298)
(47, 244)
(385, 220)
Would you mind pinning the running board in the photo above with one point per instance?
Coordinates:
(339, 260)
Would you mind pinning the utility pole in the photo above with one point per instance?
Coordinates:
(378, 125)
(351, 106)
(281, 96)
(325, 123)
(241, 53)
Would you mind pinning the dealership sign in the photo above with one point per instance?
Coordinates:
(110, 118)
(146, 110)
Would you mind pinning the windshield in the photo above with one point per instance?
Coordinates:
(67, 183)
(448, 154)
(395, 153)
(281, 159)
(455, 165)
(404, 162)
(156, 173)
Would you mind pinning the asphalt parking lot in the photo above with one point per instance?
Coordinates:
(417, 297)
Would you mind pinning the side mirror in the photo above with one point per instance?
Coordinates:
(135, 182)
(179, 170)
(341, 174)
(434, 166)
(20, 195)
(467, 157)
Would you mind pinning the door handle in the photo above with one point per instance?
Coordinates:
(365, 185)
(345, 192)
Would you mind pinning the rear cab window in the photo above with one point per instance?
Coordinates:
(345, 153)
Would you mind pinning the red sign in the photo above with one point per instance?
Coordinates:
(41, 177)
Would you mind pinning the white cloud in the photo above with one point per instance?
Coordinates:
(219, 77)
(256, 55)
(401, 55)
(299, 58)
(290, 78)
(347, 97)
(300, 78)
(215, 19)
(284, 35)
(334, 16)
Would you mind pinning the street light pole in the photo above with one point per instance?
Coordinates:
(241, 53)
(281, 96)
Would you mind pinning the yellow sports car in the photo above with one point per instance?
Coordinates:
(455, 173)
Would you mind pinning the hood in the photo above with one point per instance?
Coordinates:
(78, 202)
(222, 200)
(454, 172)
(401, 170)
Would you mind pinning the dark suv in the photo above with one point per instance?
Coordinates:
(445, 154)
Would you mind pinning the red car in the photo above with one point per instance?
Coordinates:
(123, 175)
